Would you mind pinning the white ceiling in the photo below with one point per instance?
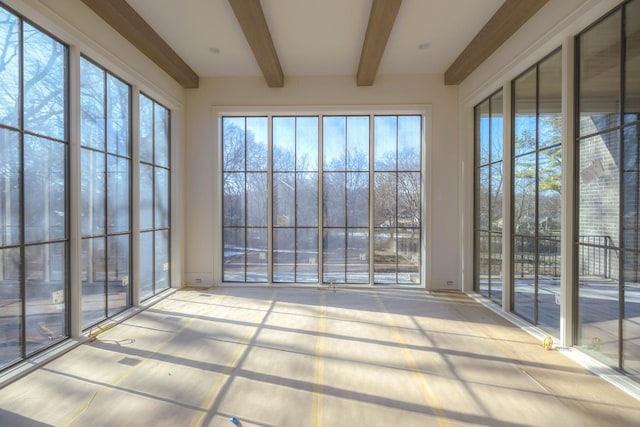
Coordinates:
(317, 37)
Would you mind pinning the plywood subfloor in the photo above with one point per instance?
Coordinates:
(307, 357)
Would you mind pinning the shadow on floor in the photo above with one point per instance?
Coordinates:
(12, 419)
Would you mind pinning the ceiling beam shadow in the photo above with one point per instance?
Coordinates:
(254, 26)
(381, 19)
(126, 21)
(502, 25)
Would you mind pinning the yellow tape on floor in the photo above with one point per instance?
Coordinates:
(429, 397)
(230, 366)
(318, 375)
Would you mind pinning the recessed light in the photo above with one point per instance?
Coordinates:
(214, 50)
(424, 46)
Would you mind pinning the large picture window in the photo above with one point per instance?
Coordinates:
(489, 191)
(345, 199)
(33, 189)
(301, 203)
(537, 173)
(295, 199)
(245, 207)
(608, 187)
(105, 138)
(155, 201)
(397, 189)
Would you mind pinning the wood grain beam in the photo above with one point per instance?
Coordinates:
(381, 19)
(125, 20)
(254, 25)
(502, 25)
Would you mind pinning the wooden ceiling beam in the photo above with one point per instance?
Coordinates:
(381, 19)
(502, 25)
(254, 26)
(126, 21)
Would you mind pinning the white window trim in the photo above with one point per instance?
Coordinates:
(423, 110)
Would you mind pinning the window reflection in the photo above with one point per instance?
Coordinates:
(632, 62)
(155, 197)
(118, 194)
(489, 190)
(118, 123)
(33, 200)
(161, 135)
(146, 265)
(482, 262)
(631, 243)
(161, 196)
(93, 281)
(162, 258)
(146, 130)
(537, 174)
(44, 189)
(11, 309)
(45, 299)
(118, 273)
(608, 173)
(44, 80)
(10, 70)
(10, 178)
(92, 192)
(599, 76)
(105, 193)
(599, 176)
(598, 308)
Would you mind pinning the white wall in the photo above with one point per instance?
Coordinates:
(203, 236)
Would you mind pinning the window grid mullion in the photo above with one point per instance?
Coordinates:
(621, 263)
(397, 118)
(321, 229)
(372, 201)
(536, 254)
(295, 201)
(492, 162)
(345, 198)
(246, 200)
(320, 198)
(270, 200)
(21, 199)
(153, 197)
(105, 103)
